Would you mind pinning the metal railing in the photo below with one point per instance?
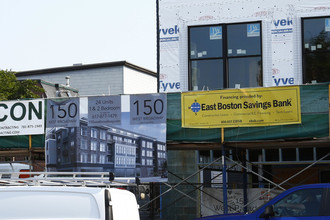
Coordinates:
(96, 179)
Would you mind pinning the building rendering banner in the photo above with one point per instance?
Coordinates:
(122, 134)
(241, 107)
(22, 117)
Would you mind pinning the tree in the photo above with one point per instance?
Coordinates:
(13, 89)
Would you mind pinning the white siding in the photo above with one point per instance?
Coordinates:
(138, 82)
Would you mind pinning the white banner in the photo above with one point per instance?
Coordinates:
(22, 117)
(256, 197)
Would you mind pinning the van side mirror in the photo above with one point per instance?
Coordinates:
(269, 212)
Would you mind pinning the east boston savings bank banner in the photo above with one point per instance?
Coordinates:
(241, 107)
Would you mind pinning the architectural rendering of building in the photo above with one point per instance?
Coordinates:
(104, 149)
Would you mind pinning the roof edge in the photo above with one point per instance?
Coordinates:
(85, 66)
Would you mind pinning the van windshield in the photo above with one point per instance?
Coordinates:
(47, 205)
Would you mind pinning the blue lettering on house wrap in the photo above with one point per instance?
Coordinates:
(283, 22)
(169, 34)
(169, 31)
(167, 86)
(283, 81)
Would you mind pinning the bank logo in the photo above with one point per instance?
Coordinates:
(195, 107)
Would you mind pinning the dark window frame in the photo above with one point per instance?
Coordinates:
(303, 53)
(225, 56)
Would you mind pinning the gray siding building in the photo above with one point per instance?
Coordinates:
(112, 78)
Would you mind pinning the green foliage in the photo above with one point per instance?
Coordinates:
(13, 89)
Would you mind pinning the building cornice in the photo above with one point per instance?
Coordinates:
(86, 67)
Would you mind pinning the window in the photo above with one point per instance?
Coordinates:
(102, 147)
(83, 131)
(93, 158)
(131, 151)
(204, 156)
(103, 134)
(149, 162)
(272, 155)
(221, 56)
(94, 133)
(316, 49)
(161, 155)
(304, 202)
(149, 144)
(149, 153)
(94, 145)
(83, 158)
(289, 154)
(102, 159)
(83, 144)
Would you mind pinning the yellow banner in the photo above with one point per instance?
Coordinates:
(241, 107)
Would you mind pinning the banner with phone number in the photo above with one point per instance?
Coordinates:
(25, 117)
(241, 107)
(106, 110)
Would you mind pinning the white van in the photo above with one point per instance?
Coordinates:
(62, 202)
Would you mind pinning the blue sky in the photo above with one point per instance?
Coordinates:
(38, 34)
